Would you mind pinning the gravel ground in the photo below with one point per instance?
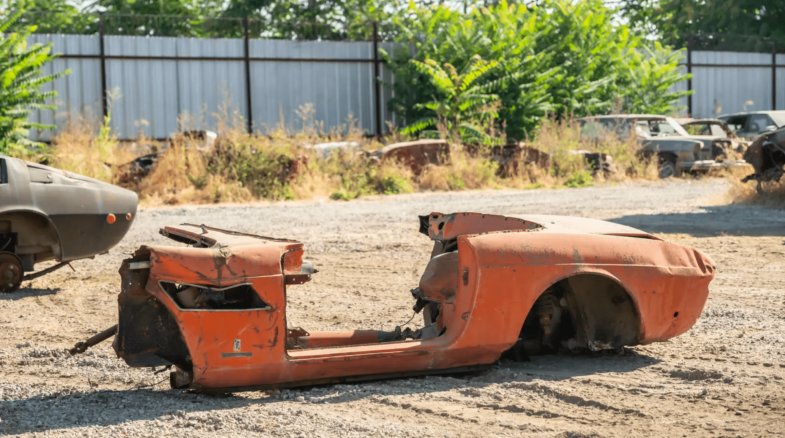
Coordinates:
(723, 378)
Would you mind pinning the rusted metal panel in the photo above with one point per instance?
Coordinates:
(492, 281)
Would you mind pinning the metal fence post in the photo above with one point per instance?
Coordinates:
(376, 91)
(774, 75)
(689, 73)
(248, 101)
(104, 96)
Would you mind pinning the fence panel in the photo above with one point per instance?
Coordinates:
(158, 85)
(729, 84)
(288, 75)
(158, 81)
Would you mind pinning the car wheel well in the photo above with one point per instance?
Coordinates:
(34, 236)
(581, 312)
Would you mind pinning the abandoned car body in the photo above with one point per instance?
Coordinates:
(767, 156)
(661, 137)
(415, 154)
(216, 309)
(48, 214)
(713, 128)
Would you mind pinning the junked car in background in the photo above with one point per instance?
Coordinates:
(49, 214)
(767, 156)
(415, 154)
(661, 137)
(750, 125)
(713, 128)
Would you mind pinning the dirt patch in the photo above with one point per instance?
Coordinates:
(725, 377)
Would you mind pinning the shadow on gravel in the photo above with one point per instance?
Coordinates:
(184, 409)
(26, 293)
(731, 220)
(106, 408)
(549, 367)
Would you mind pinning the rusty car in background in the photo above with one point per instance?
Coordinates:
(662, 138)
(766, 155)
(214, 307)
(415, 154)
(49, 214)
(713, 128)
(510, 157)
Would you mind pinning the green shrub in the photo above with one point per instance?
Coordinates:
(21, 77)
(580, 179)
(562, 58)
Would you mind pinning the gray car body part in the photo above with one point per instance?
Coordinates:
(49, 214)
(715, 128)
(752, 124)
(767, 156)
(675, 148)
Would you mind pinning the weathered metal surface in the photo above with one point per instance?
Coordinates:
(150, 94)
(415, 154)
(81, 347)
(767, 156)
(50, 214)
(616, 285)
(48, 270)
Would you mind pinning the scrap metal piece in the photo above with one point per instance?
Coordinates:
(48, 270)
(81, 347)
(493, 285)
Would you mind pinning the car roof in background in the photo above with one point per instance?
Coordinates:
(684, 121)
(623, 117)
(778, 116)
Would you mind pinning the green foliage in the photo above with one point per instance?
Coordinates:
(563, 58)
(580, 179)
(21, 77)
(264, 172)
(673, 20)
(463, 103)
(652, 72)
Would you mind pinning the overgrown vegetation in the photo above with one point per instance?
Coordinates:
(242, 168)
(561, 59)
(772, 193)
(21, 78)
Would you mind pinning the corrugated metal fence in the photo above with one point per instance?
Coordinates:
(158, 84)
(731, 82)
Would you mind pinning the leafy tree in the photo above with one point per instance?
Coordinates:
(673, 20)
(563, 58)
(49, 16)
(463, 102)
(20, 80)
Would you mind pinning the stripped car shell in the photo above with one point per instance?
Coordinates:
(416, 154)
(494, 285)
(50, 214)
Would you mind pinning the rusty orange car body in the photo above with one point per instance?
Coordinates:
(495, 285)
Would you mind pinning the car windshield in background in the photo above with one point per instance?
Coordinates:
(660, 128)
(735, 123)
(712, 129)
(760, 123)
(599, 128)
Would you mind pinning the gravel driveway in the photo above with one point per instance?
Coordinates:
(723, 378)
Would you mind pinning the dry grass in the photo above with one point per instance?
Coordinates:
(772, 194)
(279, 165)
